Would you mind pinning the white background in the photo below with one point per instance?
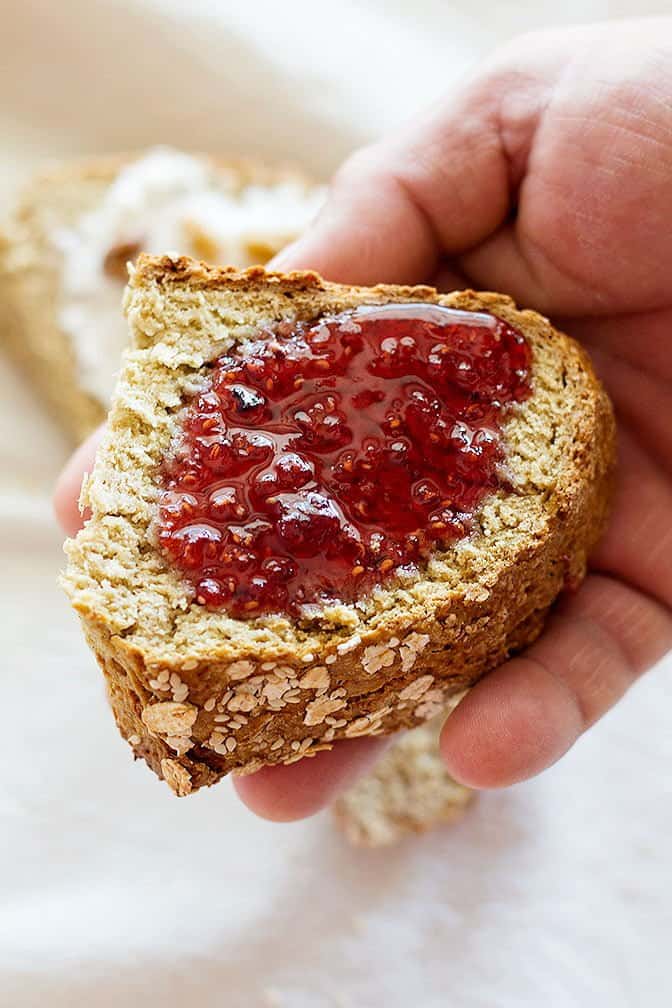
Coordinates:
(555, 893)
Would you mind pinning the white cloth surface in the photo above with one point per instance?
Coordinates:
(112, 892)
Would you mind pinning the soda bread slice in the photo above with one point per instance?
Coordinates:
(197, 693)
(64, 249)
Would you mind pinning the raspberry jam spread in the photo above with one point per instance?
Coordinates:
(325, 455)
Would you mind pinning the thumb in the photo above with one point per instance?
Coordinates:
(397, 207)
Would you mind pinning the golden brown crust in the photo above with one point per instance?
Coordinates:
(30, 272)
(200, 695)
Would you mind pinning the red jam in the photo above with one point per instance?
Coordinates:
(328, 454)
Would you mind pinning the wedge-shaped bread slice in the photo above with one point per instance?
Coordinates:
(198, 693)
(65, 245)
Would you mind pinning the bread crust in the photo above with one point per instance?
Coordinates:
(30, 272)
(201, 695)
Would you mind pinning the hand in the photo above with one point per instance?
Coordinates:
(550, 178)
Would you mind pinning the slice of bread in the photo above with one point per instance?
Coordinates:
(64, 249)
(198, 693)
(408, 791)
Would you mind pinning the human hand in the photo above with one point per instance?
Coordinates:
(549, 177)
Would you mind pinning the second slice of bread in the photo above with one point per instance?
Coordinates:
(408, 791)
(64, 247)
(198, 693)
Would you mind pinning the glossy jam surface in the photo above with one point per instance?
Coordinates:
(323, 456)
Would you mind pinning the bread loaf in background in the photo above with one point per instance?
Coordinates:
(64, 249)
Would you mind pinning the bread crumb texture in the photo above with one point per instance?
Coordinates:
(199, 694)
